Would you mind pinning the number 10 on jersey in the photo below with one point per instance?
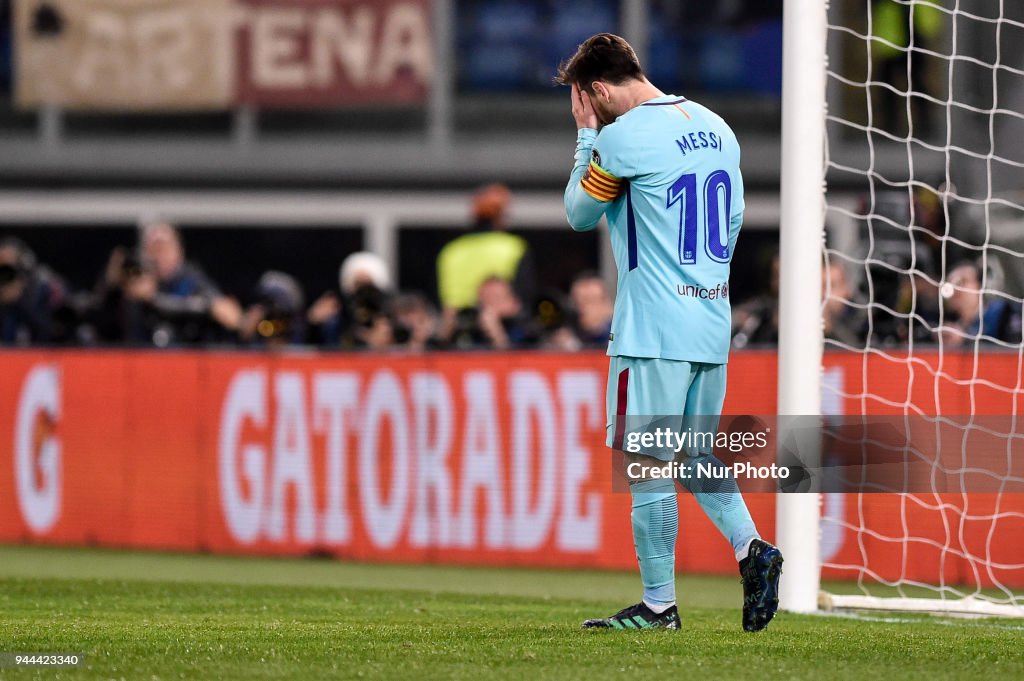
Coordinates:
(717, 196)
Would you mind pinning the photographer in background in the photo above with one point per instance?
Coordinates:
(498, 321)
(277, 318)
(359, 318)
(842, 312)
(971, 315)
(30, 294)
(156, 297)
(368, 325)
(592, 305)
(414, 322)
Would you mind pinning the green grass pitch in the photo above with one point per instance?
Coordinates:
(161, 616)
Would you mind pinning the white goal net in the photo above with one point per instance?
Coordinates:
(922, 298)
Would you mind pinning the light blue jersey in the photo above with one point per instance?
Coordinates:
(667, 174)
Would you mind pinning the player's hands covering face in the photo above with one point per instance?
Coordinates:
(583, 109)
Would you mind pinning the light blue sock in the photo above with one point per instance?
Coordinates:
(722, 502)
(655, 527)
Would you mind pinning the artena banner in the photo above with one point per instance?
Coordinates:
(214, 54)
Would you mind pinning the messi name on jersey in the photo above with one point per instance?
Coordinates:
(695, 141)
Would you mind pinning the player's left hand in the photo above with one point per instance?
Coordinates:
(583, 109)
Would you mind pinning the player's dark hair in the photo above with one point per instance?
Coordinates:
(605, 57)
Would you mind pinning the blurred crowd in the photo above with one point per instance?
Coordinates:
(959, 313)
(151, 294)
(923, 289)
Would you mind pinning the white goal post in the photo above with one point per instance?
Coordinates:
(916, 106)
(802, 225)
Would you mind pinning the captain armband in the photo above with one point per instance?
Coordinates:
(600, 184)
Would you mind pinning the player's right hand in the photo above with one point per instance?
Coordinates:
(583, 109)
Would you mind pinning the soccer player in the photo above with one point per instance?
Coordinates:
(665, 171)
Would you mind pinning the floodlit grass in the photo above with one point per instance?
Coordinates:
(158, 616)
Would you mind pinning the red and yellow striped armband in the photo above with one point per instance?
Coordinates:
(601, 184)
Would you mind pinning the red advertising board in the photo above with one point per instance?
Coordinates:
(494, 459)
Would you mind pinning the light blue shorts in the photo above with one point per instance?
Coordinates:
(690, 393)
